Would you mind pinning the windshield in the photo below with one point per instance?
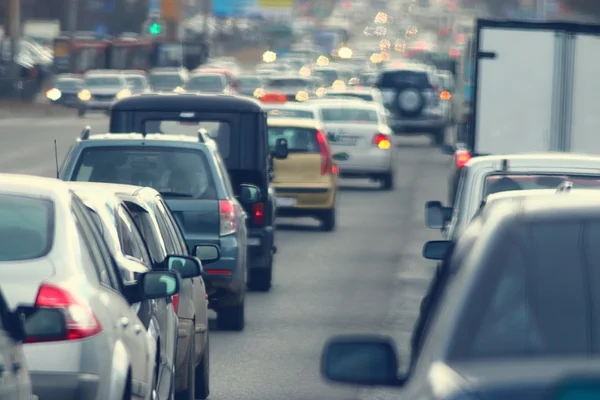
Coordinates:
(502, 183)
(249, 83)
(287, 82)
(166, 80)
(328, 75)
(206, 83)
(67, 84)
(136, 82)
(299, 140)
(173, 172)
(290, 113)
(358, 115)
(26, 227)
(102, 81)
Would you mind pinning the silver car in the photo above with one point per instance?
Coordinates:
(53, 256)
(100, 90)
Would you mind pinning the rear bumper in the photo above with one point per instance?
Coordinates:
(373, 161)
(260, 246)
(306, 197)
(65, 385)
(417, 125)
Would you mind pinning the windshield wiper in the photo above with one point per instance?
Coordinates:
(175, 194)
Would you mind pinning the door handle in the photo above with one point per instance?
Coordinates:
(124, 322)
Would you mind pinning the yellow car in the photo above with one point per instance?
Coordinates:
(305, 182)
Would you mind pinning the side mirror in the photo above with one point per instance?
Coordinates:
(249, 194)
(281, 149)
(188, 267)
(208, 253)
(34, 325)
(361, 360)
(434, 215)
(436, 249)
(158, 284)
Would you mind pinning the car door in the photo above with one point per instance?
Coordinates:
(140, 344)
(159, 312)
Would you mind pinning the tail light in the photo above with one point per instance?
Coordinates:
(445, 95)
(228, 217)
(81, 321)
(462, 157)
(175, 299)
(258, 214)
(324, 150)
(382, 141)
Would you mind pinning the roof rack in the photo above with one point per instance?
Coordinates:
(203, 136)
(85, 133)
(565, 187)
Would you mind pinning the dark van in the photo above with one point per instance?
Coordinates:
(239, 127)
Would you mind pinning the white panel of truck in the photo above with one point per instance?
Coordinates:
(514, 91)
(585, 117)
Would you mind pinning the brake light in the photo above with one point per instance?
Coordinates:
(228, 217)
(382, 141)
(81, 321)
(324, 150)
(445, 95)
(273, 98)
(175, 299)
(335, 169)
(258, 214)
(462, 157)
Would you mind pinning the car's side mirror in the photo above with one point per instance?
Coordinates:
(361, 360)
(436, 249)
(34, 325)
(249, 194)
(281, 149)
(188, 267)
(207, 253)
(158, 284)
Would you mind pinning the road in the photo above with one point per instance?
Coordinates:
(368, 276)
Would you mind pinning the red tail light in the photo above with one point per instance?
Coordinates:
(228, 217)
(81, 321)
(462, 157)
(175, 299)
(382, 141)
(324, 150)
(258, 214)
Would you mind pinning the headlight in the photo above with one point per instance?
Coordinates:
(338, 85)
(304, 72)
(53, 94)
(321, 92)
(123, 94)
(258, 93)
(301, 96)
(84, 95)
(179, 89)
(322, 61)
(345, 53)
(269, 56)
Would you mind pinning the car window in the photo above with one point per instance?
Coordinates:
(132, 243)
(279, 83)
(206, 82)
(170, 239)
(67, 84)
(496, 183)
(290, 113)
(393, 79)
(102, 81)
(531, 298)
(26, 227)
(166, 80)
(136, 82)
(349, 115)
(300, 140)
(172, 172)
(150, 234)
(173, 228)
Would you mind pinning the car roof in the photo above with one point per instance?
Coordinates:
(115, 188)
(135, 139)
(36, 186)
(295, 122)
(187, 102)
(546, 156)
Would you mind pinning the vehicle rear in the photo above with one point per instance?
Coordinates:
(294, 88)
(207, 83)
(250, 85)
(360, 141)
(166, 81)
(304, 182)
(39, 269)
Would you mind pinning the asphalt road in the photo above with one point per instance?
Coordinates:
(368, 276)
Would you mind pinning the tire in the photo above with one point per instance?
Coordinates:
(328, 220)
(81, 113)
(439, 137)
(202, 373)
(231, 318)
(387, 183)
(260, 279)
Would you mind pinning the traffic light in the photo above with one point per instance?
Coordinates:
(155, 28)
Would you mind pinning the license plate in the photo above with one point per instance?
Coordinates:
(286, 202)
(253, 242)
(341, 156)
(345, 140)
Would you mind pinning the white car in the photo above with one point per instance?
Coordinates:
(360, 139)
(292, 110)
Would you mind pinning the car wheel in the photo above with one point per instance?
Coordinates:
(259, 279)
(231, 318)
(81, 113)
(202, 373)
(328, 220)
(387, 182)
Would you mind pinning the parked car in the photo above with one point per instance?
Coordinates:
(64, 263)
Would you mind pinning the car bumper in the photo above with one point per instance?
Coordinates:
(260, 246)
(371, 162)
(184, 340)
(417, 125)
(304, 197)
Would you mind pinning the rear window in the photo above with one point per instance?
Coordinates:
(173, 172)
(358, 115)
(173, 80)
(219, 131)
(206, 83)
(249, 83)
(136, 82)
(290, 113)
(328, 75)
(502, 183)
(287, 82)
(26, 227)
(392, 79)
(300, 140)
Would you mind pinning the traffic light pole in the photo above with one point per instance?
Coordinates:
(14, 32)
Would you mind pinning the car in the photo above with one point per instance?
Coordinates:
(230, 76)
(190, 177)
(280, 68)
(168, 79)
(305, 182)
(291, 110)
(413, 101)
(332, 77)
(361, 141)
(367, 94)
(65, 264)
(485, 175)
(516, 275)
(160, 230)
(99, 90)
(125, 242)
(250, 85)
(294, 88)
(235, 124)
(208, 83)
(137, 81)
(65, 89)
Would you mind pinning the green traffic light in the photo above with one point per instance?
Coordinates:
(155, 29)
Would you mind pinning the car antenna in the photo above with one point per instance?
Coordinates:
(56, 159)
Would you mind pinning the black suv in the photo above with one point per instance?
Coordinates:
(413, 101)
